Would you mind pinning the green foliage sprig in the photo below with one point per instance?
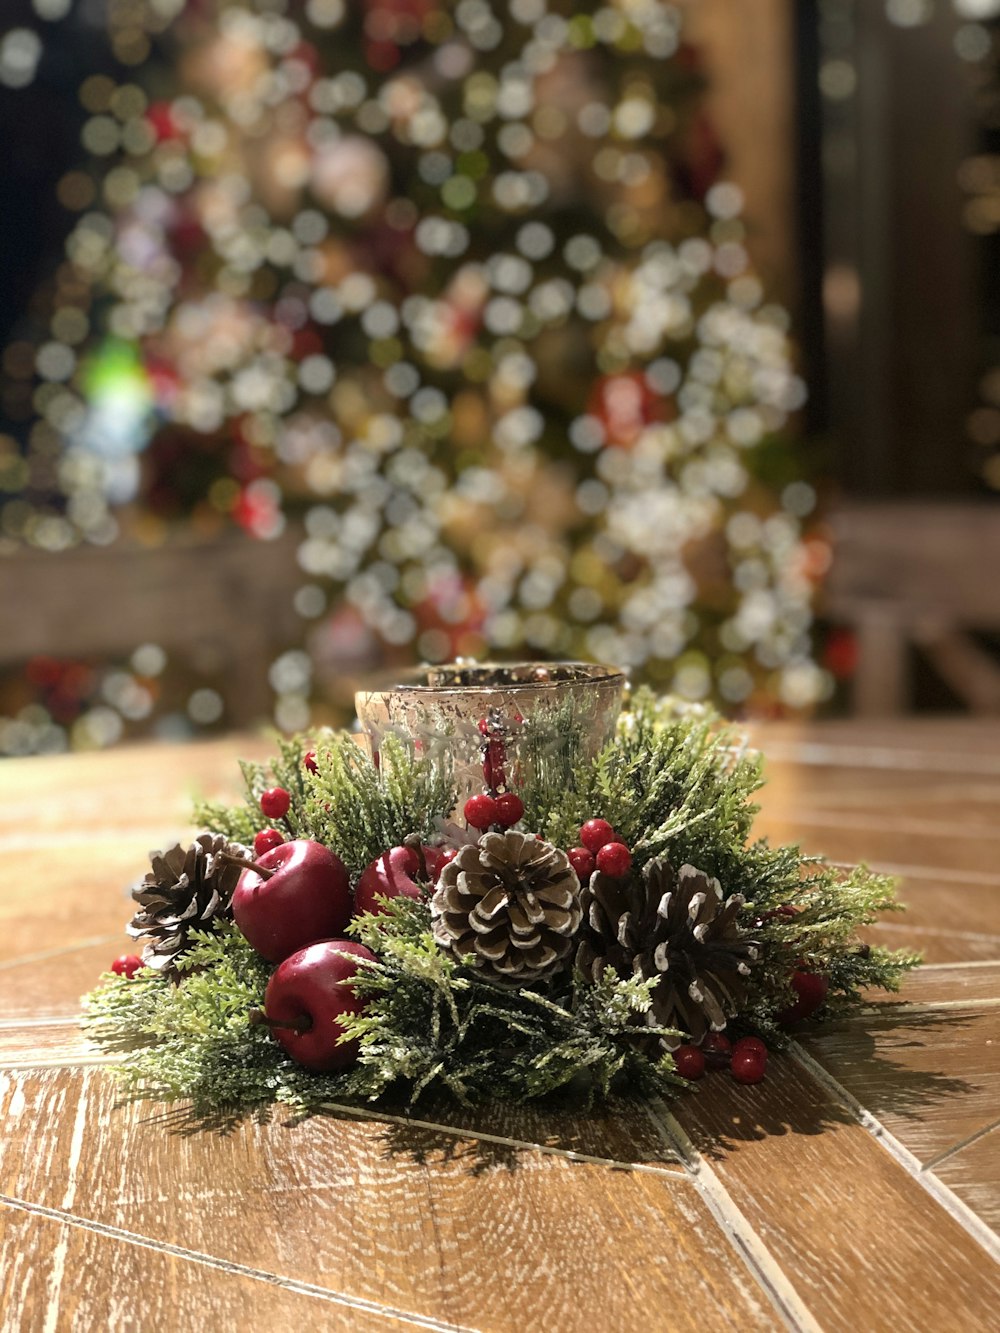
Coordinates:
(675, 781)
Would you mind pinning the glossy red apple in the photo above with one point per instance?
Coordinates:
(295, 894)
(397, 873)
(308, 995)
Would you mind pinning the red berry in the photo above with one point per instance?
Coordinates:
(717, 1048)
(266, 841)
(746, 1044)
(810, 989)
(127, 965)
(309, 762)
(614, 859)
(582, 862)
(689, 1062)
(510, 809)
(481, 811)
(447, 856)
(748, 1066)
(275, 802)
(484, 727)
(595, 833)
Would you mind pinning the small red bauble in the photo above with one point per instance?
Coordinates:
(480, 811)
(127, 965)
(510, 809)
(266, 841)
(595, 833)
(275, 802)
(717, 1049)
(484, 727)
(689, 1062)
(582, 862)
(309, 762)
(614, 859)
(810, 989)
(746, 1044)
(748, 1066)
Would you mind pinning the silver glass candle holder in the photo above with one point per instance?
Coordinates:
(498, 727)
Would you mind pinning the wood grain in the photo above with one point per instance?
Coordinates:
(858, 1237)
(961, 984)
(973, 1173)
(61, 1275)
(455, 1230)
(930, 1076)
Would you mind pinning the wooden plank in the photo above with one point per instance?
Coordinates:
(932, 944)
(46, 1044)
(51, 985)
(858, 1237)
(622, 1133)
(62, 896)
(962, 984)
(142, 786)
(129, 1284)
(930, 1076)
(456, 1230)
(886, 846)
(973, 1174)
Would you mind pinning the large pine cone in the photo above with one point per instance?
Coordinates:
(185, 890)
(512, 902)
(677, 926)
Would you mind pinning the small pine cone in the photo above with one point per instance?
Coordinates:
(675, 925)
(512, 902)
(185, 890)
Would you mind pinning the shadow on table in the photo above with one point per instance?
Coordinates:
(808, 1098)
(716, 1115)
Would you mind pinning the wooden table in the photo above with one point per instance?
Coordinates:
(858, 1187)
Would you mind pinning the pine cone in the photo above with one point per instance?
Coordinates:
(512, 901)
(676, 926)
(185, 890)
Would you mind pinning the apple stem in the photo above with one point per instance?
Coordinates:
(255, 866)
(258, 1019)
(415, 845)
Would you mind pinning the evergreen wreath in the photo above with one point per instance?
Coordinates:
(704, 928)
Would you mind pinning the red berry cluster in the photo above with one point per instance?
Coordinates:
(747, 1059)
(482, 812)
(498, 806)
(601, 849)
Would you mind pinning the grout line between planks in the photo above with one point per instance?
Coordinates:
(44, 954)
(961, 1145)
(523, 1145)
(960, 1212)
(231, 1267)
(743, 1238)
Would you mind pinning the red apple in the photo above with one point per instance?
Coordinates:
(310, 992)
(396, 873)
(305, 897)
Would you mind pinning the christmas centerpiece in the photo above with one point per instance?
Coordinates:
(508, 890)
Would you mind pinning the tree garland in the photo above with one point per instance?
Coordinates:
(677, 787)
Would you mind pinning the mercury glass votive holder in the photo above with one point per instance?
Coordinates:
(498, 726)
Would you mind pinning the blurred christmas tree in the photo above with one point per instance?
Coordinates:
(461, 287)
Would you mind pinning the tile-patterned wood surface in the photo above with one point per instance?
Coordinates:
(858, 1187)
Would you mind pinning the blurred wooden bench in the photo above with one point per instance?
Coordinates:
(916, 575)
(226, 600)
